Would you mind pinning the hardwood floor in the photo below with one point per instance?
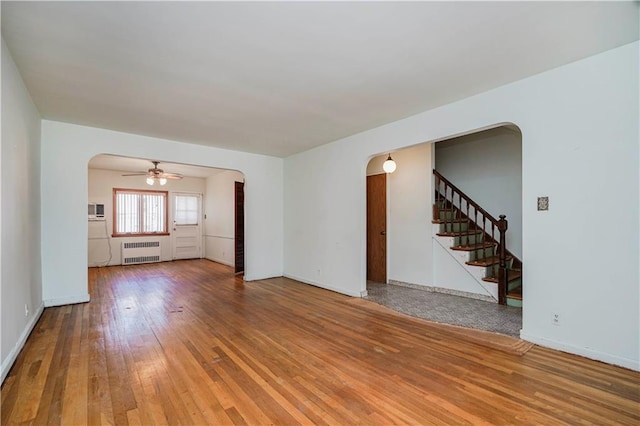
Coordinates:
(187, 343)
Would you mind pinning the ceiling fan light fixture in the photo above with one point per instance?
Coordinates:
(156, 175)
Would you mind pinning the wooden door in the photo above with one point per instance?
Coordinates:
(239, 227)
(377, 228)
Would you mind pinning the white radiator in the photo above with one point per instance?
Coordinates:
(140, 252)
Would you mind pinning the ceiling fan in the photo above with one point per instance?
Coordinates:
(156, 175)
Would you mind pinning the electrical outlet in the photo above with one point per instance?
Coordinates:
(26, 310)
(555, 320)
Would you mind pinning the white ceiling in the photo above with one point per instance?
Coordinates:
(280, 78)
(127, 164)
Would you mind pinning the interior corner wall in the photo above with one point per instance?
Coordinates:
(580, 133)
(487, 166)
(66, 151)
(20, 263)
(409, 248)
(219, 223)
(102, 248)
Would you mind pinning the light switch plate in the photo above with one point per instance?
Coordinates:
(543, 203)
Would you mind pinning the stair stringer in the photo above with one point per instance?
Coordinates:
(471, 280)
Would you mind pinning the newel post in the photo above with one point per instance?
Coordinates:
(503, 278)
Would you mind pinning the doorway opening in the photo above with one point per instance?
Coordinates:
(426, 258)
(198, 217)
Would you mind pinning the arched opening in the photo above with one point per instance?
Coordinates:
(487, 165)
(197, 212)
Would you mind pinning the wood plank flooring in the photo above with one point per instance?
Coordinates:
(187, 343)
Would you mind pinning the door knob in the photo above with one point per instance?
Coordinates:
(383, 232)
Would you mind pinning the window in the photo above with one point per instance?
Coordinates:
(139, 212)
(186, 209)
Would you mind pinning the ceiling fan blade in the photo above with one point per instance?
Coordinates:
(156, 173)
(171, 176)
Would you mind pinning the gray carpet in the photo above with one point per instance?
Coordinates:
(448, 309)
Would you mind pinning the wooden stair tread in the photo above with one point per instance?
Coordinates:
(513, 275)
(515, 293)
(458, 233)
(446, 206)
(472, 247)
(486, 261)
(458, 220)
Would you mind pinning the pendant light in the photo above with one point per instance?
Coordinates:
(389, 166)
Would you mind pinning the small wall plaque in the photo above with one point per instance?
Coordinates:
(543, 203)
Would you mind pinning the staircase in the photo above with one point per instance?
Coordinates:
(482, 238)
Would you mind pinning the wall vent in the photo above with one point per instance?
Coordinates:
(140, 252)
(141, 244)
(140, 259)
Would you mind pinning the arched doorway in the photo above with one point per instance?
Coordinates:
(198, 219)
(415, 259)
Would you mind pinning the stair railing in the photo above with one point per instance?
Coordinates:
(459, 208)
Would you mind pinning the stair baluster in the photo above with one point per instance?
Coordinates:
(467, 214)
(503, 273)
(484, 226)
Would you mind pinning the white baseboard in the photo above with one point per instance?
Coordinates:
(248, 276)
(11, 358)
(222, 261)
(585, 352)
(326, 287)
(443, 290)
(69, 300)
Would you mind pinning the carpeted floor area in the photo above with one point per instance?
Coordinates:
(448, 309)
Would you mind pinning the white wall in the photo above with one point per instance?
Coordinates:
(409, 214)
(220, 221)
(451, 272)
(21, 278)
(66, 151)
(580, 140)
(487, 166)
(324, 216)
(101, 184)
